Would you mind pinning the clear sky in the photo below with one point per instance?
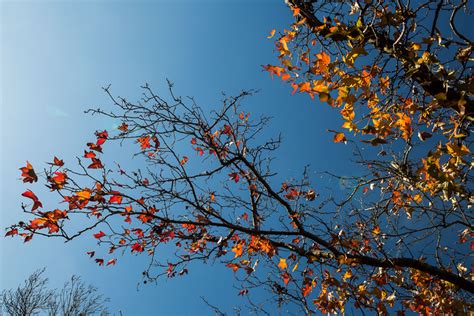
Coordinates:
(56, 56)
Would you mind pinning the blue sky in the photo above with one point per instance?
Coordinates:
(56, 56)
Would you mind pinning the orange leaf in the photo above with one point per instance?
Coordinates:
(282, 265)
(339, 137)
(123, 127)
(238, 249)
(144, 142)
(376, 230)
(89, 154)
(184, 161)
(84, 195)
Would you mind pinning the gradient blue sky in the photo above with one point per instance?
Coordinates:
(56, 56)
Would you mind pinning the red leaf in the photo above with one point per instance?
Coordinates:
(12, 232)
(144, 142)
(96, 164)
(57, 162)
(102, 134)
(137, 247)
(233, 266)
(286, 277)
(28, 173)
(234, 176)
(99, 235)
(89, 154)
(100, 261)
(123, 127)
(227, 130)
(95, 147)
(115, 199)
(112, 261)
(243, 292)
(91, 253)
(36, 203)
(199, 150)
(101, 137)
(184, 161)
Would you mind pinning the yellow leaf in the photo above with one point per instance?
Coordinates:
(282, 265)
(457, 151)
(272, 33)
(295, 267)
(238, 250)
(417, 198)
(347, 275)
(376, 230)
(85, 195)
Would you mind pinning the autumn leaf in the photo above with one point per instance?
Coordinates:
(233, 266)
(99, 235)
(184, 161)
(272, 33)
(199, 150)
(243, 292)
(347, 275)
(100, 261)
(295, 267)
(57, 162)
(12, 232)
(111, 262)
(136, 247)
(282, 265)
(286, 277)
(307, 288)
(274, 70)
(28, 173)
(90, 253)
(238, 249)
(234, 176)
(89, 154)
(144, 142)
(96, 164)
(457, 151)
(58, 180)
(84, 194)
(36, 203)
(123, 127)
(115, 199)
(376, 230)
(339, 137)
(95, 147)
